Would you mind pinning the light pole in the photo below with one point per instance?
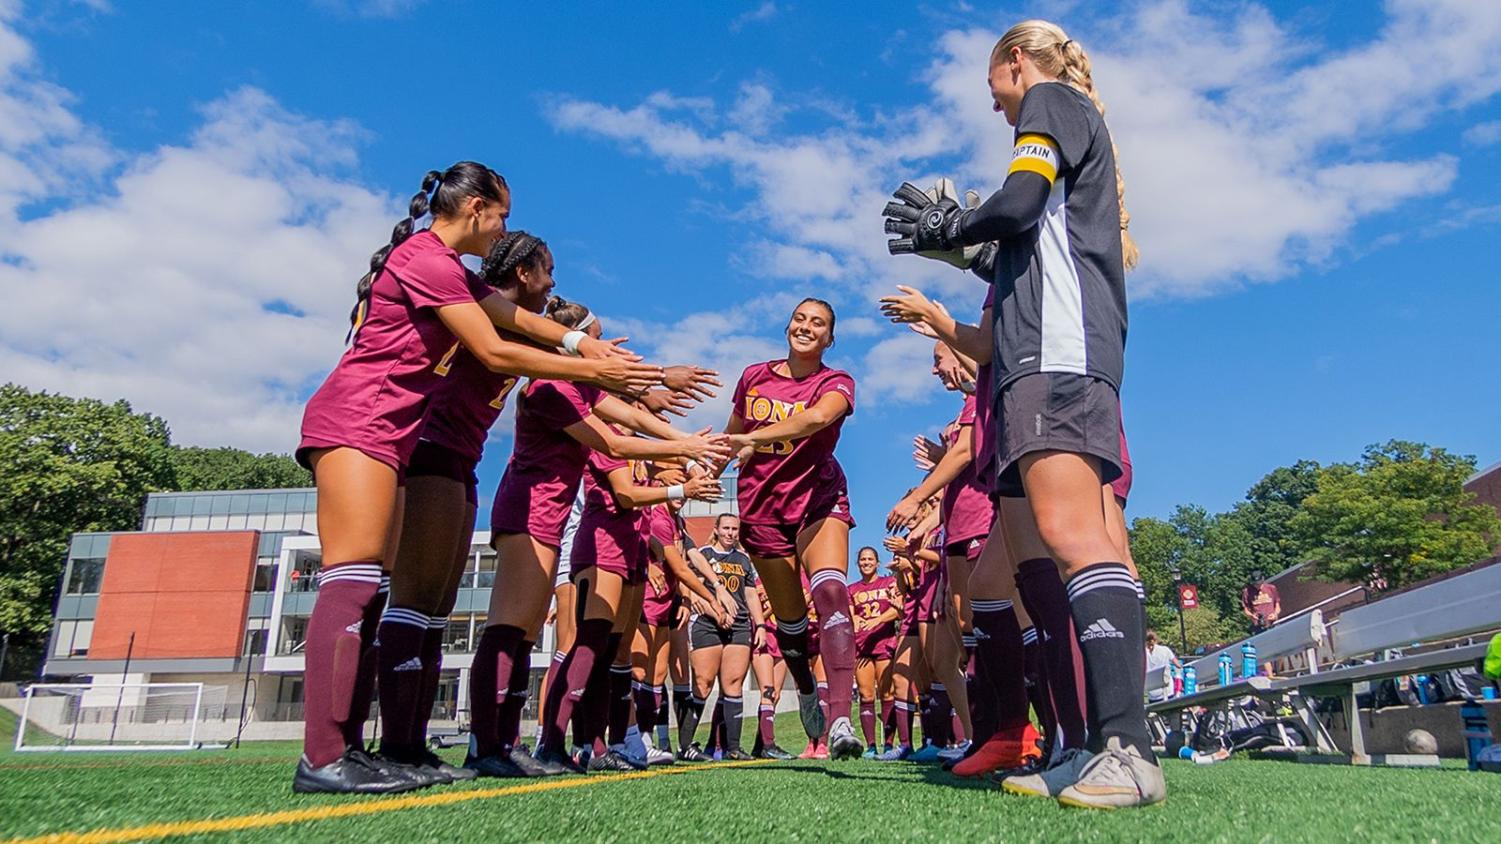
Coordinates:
(1178, 602)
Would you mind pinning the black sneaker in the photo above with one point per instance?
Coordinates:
(494, 765)
(811, 713)
(736, 755)
(693, 753)
(553, 763)
(610, 761)
(522, 758)
(772, 751)
(429, 759)
(353, 773)
(416, 771)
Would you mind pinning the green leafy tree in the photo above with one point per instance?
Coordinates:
(1399, 516)
(1204, 626)
(1209, 550)
(1267, 514)
(70, 465)
(231, 468)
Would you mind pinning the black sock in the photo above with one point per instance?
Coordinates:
(1107, 620)
(792, 639)
(1141, 595)
(734, 710)
(693, 710)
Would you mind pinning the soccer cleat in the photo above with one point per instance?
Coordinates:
(737, 755)
(659, 757)
(694, 753)
(625, 752)
(411, 770)
(895, 754)
(810, 711)
(842, 741)
(554, 762)
(870, 753)
(950, 755)
(1117, 778)
(1051, 781)
(611, 760)
(428, 761)
(523, 759)
(771, 751)
(494, 765)
(353, 773)
(820, 750)
(1007, 749)
(927, 753)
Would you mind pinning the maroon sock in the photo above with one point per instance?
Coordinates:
(365, 676)
(400, 672)
(768, 719)
(836, 637)
(495, 657)
(903, 712)
(888, 720)
(868, 721)
(792, 639)
(518, 691)
(999, 645)
(568, 687)
(1046, 601)
(432, 673)
(646, 708)
(620, 702)
(1037, 688)
(334, 649)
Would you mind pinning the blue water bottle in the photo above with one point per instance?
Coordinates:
(1477, 732)
(1190, 680)
(1247, 660)
(1225, 673)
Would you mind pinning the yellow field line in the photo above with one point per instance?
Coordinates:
(347, 810)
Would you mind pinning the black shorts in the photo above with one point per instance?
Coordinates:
(1056, 411)
(431, 459)
(704, 633)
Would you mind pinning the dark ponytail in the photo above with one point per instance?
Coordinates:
(514, 250)
(565, 313)
(442, 195)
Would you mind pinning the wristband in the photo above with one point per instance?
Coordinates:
(690, 465)
(571, 342)
(675, 492)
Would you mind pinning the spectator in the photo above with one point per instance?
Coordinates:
(1160, 663)
(1261, 603)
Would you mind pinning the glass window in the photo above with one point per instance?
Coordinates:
(486, 570)
(276, 503)
(294, 634)
(236, 522)
(297, 502)
(219, 505)
(456, 635)
(255, 642)
(202, 505)
(218, 522)
(82, 635)
(64, 644)
(306, 564)
(265, 573)
(198, 523)
(257, 504)
(181, 522)
(255, 521)
(85, 577)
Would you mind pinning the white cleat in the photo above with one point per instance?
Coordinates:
(1118, 778)
(842, 741)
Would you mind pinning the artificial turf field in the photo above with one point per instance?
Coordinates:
(245, 794)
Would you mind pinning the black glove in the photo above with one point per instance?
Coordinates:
(982, 262)
(922, 223)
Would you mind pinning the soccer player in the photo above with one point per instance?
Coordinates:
(794, 505)
(1060, 232)
(878, 606)
(721, 647)
(417, 306)
(771, 676)
(558, 423)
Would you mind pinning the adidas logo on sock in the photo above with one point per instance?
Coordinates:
(981, 635)
(413, 664)
(1100, 629)
(836, 619)
(353, 628)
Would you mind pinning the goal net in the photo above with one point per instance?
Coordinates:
(114, 716)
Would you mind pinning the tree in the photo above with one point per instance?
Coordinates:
(1209, 550)
(1399, 516)
(70, 465)
(1267, 515)
(197, 468)
(1204, 627)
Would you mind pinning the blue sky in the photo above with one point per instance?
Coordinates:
(192, 189)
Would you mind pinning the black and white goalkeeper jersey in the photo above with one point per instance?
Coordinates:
(1060, 287)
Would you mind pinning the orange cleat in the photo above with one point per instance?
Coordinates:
(1010, 748)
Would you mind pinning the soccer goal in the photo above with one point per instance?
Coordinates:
(110, 717)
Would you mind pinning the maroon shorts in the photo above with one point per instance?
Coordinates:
(659, 611)
(769, 644)
(304, 457)
(878, 647)
(928, 599)
(432, 460)
(780, 540)
(631, 567)
(969, 549)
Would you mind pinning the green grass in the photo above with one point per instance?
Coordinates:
(1237, 800)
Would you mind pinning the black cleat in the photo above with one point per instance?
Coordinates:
(692, 753)
(737, 755)
(772, 751)
(427, 762)
(552, 763)
(413, 770)
(811, 713)
(494, 765)
(522, 758)
(454, 773)
(610, 761)
(353, 773)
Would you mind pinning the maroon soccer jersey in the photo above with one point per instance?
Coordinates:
(967, 512)
(780, 480)
(537, 491)
(375, 398)
(466, 405)
(869, 601)
(609, 536)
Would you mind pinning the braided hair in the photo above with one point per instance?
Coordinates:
(442, 195)
(513, 252)
(565, 313)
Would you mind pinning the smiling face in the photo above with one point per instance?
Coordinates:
(536, 282)
(945, 365)
(811, 329)
(1006, 87)
(868, 562)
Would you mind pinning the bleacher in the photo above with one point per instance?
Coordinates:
(1436, 626)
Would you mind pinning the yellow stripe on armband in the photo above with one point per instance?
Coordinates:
(1035, 154)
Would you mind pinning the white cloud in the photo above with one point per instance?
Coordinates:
(764, 12)
(207, 282)
(371, 8)
(1483, 134)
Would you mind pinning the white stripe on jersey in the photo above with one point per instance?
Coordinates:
(1063, 346)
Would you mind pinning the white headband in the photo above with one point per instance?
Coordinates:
(585, 322)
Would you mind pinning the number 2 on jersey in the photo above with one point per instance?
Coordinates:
(499, 402)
